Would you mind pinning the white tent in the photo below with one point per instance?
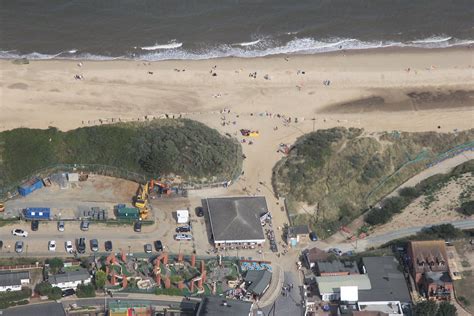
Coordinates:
(183, 216)
(73, 177)
(350, 293)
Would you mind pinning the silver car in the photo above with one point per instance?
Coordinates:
(61, 226)
(19, 246)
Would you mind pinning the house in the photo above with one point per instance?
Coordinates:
(336, 267)
(217, 306)
(297, 234)
(428, 261)
(257, 281)
(313, 255)
(13, 281)
(388, 292)
(70, 279)
(330, 286)
(235, 221)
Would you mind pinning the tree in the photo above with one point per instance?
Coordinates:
(426, 308)
(446, 309)
(85, 290)
(43, 288)
(55, 264)
(467, 208)
(55, 294)
(100, 278)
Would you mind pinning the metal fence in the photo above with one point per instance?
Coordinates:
(105, 170)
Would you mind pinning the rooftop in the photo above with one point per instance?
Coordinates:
(298, 230)
(259, 279)
(9, 278)
(429, 255)
(332, 284)
(70, 276)
(315, 254)
(337, 266)
(388, 283)
(216, 306)
(236, 218)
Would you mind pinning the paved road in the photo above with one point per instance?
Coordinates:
(374, 241)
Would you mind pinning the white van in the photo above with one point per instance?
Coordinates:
(183, 237)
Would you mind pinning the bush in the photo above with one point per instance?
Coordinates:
(409, 192)
(8, 299)
(467, 208)
(55, 294)
(446, 309)
(443, 231)
(44, 288)
(85, 290)
(426, 308)
(170, 291)
(464, 301)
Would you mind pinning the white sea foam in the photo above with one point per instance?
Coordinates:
(264, 47)
(244, 44)
(171, 45)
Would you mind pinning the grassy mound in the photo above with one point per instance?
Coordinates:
(159, 148)
(331, 176)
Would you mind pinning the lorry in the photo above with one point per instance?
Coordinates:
(37, 213)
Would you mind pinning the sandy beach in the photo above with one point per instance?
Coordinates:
(406, 89)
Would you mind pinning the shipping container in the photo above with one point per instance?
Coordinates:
(43, 213)
(30, 186)
(127, 213)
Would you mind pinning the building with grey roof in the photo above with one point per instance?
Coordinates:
(258, 281)
(330, 286)
(388, 283)
(236, 220)
(70, 279)
(216, 306)
(13, 280)
(336, 267)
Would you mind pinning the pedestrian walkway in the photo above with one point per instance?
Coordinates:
(278, 277)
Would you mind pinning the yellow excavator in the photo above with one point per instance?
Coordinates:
(141, 201)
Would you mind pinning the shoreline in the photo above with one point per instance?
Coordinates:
(354, 51)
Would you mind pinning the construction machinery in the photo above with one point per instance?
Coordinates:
(141, 201)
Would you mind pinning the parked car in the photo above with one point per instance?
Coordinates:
(158, 245)
(81, 245)
(34, 225)
(336, 251)
(68, 292)
(94, 245)
(69, 247)
(19, 232)
(19, 246)
(1, 244)
(108, 245)
(52, 245)
(137, 227)
(183, 237)
(148, 248)
(313, 236)
(199, 211)
(183, 229)
(84, 225)
(61, 226)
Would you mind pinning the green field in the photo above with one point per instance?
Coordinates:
(332, 176)
(159, 148)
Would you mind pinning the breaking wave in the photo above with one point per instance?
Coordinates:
(257, 48)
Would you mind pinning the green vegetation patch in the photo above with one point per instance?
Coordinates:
(332, 176)
(159, 148)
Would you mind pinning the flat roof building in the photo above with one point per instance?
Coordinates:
(13, 280)
(236, 220)
(336, 267)
(330, 286)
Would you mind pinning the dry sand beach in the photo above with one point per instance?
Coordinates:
(406, 89)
